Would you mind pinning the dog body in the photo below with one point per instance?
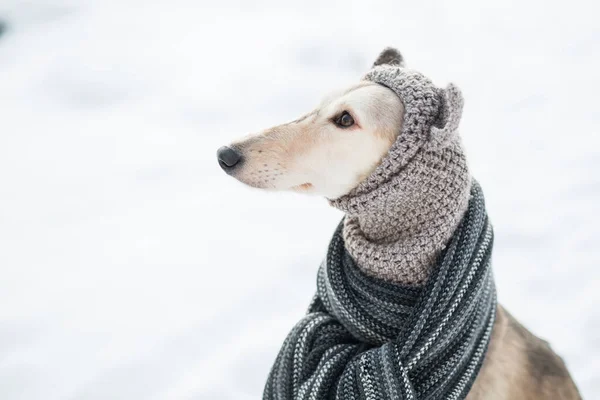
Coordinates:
(328, 152)
(519, 365)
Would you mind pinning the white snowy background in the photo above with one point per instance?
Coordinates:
(132, 267)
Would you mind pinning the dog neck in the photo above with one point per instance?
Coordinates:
(396, 231)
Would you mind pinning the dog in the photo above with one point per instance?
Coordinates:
(316, 154)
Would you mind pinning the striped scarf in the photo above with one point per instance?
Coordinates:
(364, 338)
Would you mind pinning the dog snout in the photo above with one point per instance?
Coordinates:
(228, 158)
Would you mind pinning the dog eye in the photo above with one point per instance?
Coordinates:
(344, 120)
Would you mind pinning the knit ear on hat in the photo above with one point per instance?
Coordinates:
(446, 127)
(389, 56)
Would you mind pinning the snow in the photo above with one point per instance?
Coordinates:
(132, 267)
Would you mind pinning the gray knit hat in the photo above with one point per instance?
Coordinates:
(403, 214)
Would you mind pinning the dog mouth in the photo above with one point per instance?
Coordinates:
(303, 187)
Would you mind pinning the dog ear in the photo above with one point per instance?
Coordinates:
(446, 127)
(389, 56)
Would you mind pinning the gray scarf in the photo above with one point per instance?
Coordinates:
(364, 338)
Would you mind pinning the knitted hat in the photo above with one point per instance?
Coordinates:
(402, 215)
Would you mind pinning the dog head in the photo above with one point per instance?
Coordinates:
(327, 151)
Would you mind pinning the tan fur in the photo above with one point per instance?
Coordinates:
(312, 155)
(519, 365)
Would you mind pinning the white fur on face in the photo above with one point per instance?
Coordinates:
(314, 155)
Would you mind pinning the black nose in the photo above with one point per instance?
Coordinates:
(228, 157)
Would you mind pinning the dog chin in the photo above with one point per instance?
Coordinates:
(305, 188)
(256, 185)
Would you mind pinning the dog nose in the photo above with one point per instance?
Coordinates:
(228, 157)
